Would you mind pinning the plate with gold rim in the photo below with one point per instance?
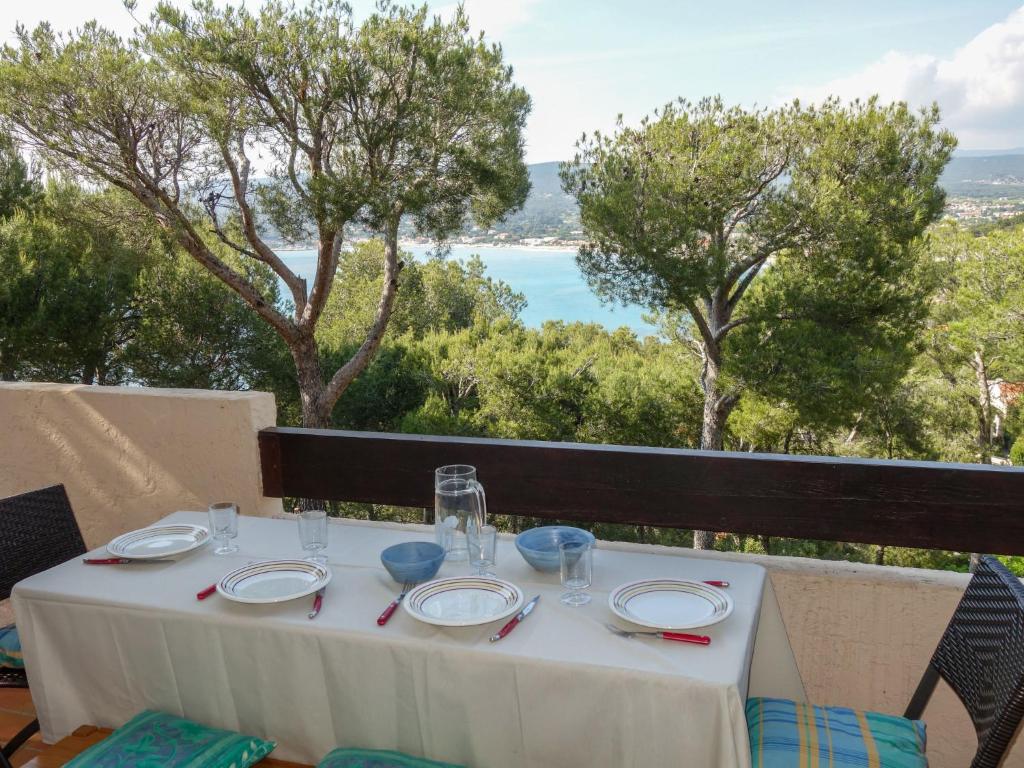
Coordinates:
(274, 581)
(670, 604)
(463, 601)
(158, 541)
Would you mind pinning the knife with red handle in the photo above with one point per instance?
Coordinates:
(515, 620)
(121, 560)
(318, 601)
(682, 637)
(203, 594)
(722, 584)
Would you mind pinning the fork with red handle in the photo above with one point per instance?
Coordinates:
(679, 637)
(383, 618)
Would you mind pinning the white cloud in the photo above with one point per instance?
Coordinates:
(980, 88)
(494, 17)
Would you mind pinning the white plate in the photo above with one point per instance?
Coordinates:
(274, 581)
(463, 601)
(158, 541)
(670, 603)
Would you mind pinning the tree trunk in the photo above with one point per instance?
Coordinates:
(984, 425)
(716, 411)
(713, 428)
(984, 408)
(316, 413)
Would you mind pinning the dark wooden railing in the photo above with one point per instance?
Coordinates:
(963, 507)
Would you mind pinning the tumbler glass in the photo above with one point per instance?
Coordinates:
(576, 559)
(483, 543)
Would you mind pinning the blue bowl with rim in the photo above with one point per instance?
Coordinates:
(413, 561)
(539, 546)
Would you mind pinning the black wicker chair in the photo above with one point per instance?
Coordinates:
(37, 531)
(981, 656)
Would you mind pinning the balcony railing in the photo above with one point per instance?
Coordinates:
(962, 507)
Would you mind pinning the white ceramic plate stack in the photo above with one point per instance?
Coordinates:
(463, 601)
(274, 581)
(670, 604)
(158, 542)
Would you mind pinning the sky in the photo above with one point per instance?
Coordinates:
(585, 62)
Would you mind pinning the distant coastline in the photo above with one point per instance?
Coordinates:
(560, 246)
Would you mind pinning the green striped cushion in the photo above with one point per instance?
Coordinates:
(155, 740)
(375, 758)
(786, 733)
(10, 648)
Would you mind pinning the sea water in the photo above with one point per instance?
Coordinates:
(549, 279)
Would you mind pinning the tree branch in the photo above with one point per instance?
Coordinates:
(743, 285)
(240, 185)
(326, 269)
(358, 362)
(702, 325)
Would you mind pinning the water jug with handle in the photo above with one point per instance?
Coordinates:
(459, 503)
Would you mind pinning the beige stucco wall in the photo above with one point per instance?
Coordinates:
(130, 455)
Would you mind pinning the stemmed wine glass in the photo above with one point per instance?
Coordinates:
(313, 533)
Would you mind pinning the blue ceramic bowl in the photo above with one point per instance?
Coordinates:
(539, 546)
(412, 560)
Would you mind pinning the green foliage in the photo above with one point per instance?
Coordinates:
(66, 293)
(223, 345)
(437, 295)
(571, 382)
(88, 295)
(975, 334)
(1017, 452)
(18, 189)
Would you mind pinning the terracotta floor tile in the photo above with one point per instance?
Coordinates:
(16, 700)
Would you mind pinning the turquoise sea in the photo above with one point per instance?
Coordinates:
(550, 280)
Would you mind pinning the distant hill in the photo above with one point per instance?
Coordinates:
(548, 212)
(982, 186)
(985, 176)
(987, 152)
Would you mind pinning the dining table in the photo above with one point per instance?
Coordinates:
(102, 643)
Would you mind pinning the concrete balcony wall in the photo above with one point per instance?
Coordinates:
(862, 634)
(130, 455)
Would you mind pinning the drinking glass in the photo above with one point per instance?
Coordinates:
(576, 559)
(459, 503)
(224, 526)
(483, 546)
(313, 533)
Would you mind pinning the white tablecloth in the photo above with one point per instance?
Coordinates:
(103, 642)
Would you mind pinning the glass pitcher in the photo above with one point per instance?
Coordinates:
(459, 503)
